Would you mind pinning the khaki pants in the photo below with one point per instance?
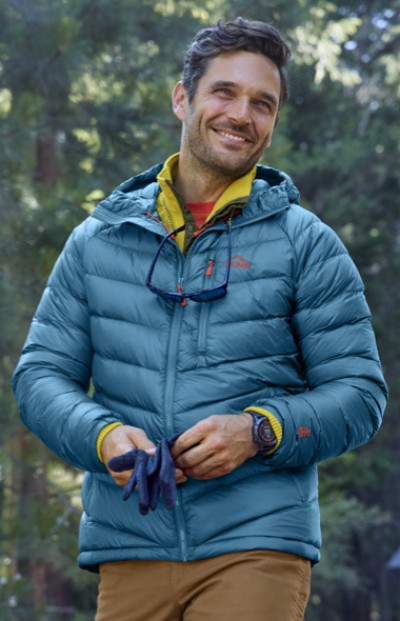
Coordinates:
(259, 585)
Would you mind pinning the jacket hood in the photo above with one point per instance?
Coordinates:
(136, 198)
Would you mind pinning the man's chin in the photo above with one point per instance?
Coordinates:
(232, 167)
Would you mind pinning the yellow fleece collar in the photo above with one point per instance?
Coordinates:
(239, 191)
(168, 206)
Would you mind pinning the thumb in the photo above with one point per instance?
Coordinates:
(140, 440)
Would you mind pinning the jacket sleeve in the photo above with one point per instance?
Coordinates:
(53, 374)
(345, 396)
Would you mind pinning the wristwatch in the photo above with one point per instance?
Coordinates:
(263, 434)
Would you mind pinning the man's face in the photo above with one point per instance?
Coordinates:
(229, 123)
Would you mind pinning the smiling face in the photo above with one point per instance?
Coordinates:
(229, 123)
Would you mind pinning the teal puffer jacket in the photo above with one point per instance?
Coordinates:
(292, 335)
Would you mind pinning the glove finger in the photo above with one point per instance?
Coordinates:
(167, 463)
(130, 486)
(141, 473)
(169, 491)
(123, 462)
(167, 476)
(154, 492)
(153, 471)
(154, 462)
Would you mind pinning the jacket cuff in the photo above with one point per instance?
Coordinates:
(101, 437)
(274, 422)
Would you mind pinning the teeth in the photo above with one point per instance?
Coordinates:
(231, 137)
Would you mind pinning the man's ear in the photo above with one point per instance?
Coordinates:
(179, 101)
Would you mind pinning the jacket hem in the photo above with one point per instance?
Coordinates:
(90, 560)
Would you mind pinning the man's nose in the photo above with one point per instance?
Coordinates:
(239, 111)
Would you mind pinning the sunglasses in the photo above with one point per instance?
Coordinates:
(206, 295)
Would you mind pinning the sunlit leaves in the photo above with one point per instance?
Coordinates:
(323, 49)
(5, 102)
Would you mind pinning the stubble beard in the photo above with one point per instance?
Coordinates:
(208, 162)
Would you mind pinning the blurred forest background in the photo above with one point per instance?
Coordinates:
(85, 103)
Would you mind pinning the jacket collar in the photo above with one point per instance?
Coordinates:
(135, 200)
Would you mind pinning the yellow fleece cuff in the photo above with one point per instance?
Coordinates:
(102, 435)
(274, 422)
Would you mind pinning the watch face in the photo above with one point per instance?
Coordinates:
(266, 434)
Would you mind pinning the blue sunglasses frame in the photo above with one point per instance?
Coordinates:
(206, 295)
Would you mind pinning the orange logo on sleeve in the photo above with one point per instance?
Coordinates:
(304, 432)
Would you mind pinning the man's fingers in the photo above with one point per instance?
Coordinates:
(180, 476)
(188, 440)
(192, 457)
(121, 478)
(123, 439)
(209, 470)
(139, 439)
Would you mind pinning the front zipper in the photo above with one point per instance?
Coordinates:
(180, 522)
(171, 376)
(170, 382)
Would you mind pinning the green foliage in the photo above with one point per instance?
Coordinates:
(84, 103)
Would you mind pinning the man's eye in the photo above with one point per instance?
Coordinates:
(264, 104)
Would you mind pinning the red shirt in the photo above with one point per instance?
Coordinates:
(200, 211)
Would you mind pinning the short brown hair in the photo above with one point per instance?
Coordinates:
(241, 34)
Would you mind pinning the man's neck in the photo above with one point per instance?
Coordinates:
(200, 186)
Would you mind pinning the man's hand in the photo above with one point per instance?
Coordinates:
(123, 439)
(215, 446)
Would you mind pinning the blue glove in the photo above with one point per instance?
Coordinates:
(154, 475)
(166, 477)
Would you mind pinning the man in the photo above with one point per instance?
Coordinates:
(205, 303)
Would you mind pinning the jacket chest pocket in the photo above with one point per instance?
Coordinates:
(208, 283)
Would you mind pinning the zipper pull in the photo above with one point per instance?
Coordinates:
(210, 267)
(184, 301)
